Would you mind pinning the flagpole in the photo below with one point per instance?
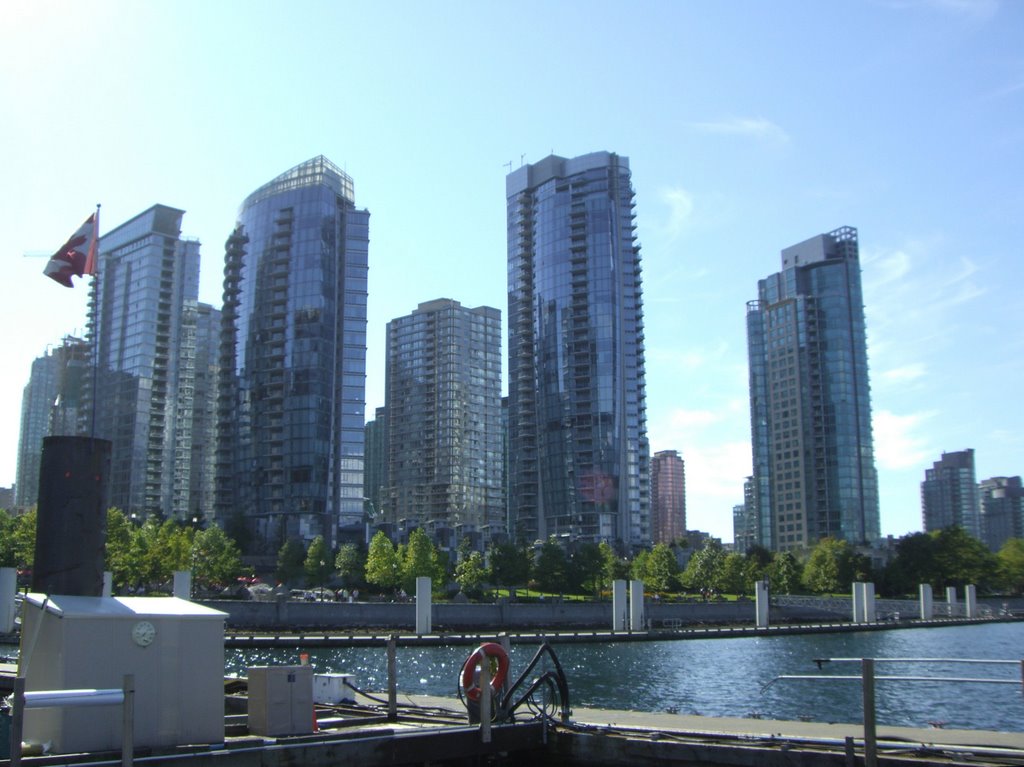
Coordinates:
(92, 264)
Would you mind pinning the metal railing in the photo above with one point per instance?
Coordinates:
(124, 697)
(867, 679)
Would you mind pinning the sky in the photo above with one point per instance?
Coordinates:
(749, 127)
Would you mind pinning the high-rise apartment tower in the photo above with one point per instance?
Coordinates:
(50, 406)
(443, 399)
(810, 405)
(142, 314)
(668, 496)
(1002, 510)
(293, 360)
(949, 494)
(578, 451)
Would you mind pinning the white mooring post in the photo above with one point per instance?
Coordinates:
(8, 590)
(858, 602)
(183, 584)
(423, 606)
(636, 606)
(951, 608)
(927, 606)
(971, 601)
(869, 602)
(620, 606)
(761, 602)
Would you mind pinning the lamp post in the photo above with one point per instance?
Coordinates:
(368, 516)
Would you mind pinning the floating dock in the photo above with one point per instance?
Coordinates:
(435, 731)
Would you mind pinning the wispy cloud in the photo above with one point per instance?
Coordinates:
(913, 284)
(689, 419)
(751, 127)
(691, 358)
(904, 374)
(898, 442)
(680, 211)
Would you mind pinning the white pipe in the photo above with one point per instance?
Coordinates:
(76, 698)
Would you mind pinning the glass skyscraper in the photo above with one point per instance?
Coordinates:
(50, 406)
(444, 441)
(949, 494)
(142, 315)
(578, 450)
(813, 452)
(293, 360)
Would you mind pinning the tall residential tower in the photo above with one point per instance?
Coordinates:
(142, 329)
(293, 361)
(578, 450)
(443, 400)
(810, 404)
(668, 497)
(949, 494)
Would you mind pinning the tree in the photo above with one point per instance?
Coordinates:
(587, 568)
(915, 563)
(291, 560)
(420, 561)
(173, 549)
(638, 567)
(319, 564)
(118, 549)
(382, 563)
(8, 558)
(784, 573)
(552, 567)
(25, 538)
(510, 565)
(833, 567)
(216, 560)
(351, 565)
(471, 574)
(962, 559)
(735, 574)
(1011, 565)
(616, 568)
(661, 569)
(703, 572)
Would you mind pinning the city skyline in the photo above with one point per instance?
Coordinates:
(748, 127)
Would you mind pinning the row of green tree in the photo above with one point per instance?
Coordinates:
(943, 558)
(144, 557)
(139, 557)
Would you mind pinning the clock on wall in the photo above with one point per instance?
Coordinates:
(143, 633)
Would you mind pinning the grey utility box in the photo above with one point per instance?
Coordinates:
(280, 700)
(174, 649)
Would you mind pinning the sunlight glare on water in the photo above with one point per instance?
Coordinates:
(728, 677)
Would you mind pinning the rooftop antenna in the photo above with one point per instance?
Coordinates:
(522, 158)
(509, 166)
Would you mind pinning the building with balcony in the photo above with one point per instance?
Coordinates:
(142, 314)
(810, 403)
(291, 397)
(578, 450)
(444, 426)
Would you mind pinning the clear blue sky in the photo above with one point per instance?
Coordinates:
(749, 126)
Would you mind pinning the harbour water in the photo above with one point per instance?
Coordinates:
(733, 677)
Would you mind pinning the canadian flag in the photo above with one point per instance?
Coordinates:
(77, 256)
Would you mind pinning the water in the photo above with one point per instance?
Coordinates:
(728, 677)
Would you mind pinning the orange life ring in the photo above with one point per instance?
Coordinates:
(498, 665)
